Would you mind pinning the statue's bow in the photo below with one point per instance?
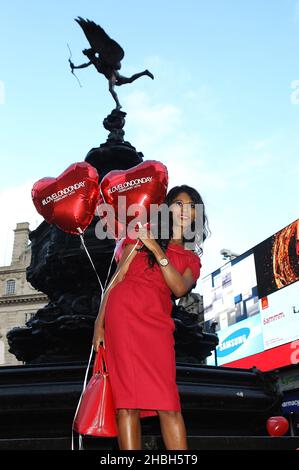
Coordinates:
(72, 65)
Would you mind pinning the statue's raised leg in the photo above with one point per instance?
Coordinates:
(121, 80)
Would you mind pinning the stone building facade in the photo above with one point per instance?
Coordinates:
(19, 301)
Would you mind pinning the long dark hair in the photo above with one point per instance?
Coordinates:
(199, 237)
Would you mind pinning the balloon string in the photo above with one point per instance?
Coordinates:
(107, 277)
(87, 252)
(115, 274)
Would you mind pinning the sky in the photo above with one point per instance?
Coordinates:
(222, 112)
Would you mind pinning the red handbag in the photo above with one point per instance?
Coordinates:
(96, 414)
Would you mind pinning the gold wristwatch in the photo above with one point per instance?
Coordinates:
(163, 262)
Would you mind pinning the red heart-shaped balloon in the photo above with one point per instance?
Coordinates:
(68, 201)
(142, 185)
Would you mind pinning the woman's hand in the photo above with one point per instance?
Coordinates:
(98, 336)
(146, 236)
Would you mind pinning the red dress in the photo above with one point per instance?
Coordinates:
(139, 339)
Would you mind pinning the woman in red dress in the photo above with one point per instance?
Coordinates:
(135, 324)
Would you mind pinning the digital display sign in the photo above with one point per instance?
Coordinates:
(254, 298)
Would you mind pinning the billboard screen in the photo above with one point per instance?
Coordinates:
(254, 298)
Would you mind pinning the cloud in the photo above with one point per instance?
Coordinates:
(160, 132)
(150, 122)
(15, 206)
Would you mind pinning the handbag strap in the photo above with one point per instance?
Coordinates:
(117, 273)
(100, 361)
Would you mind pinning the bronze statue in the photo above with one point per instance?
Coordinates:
(110, 54)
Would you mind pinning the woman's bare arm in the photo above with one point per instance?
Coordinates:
(121, 269)
(178, 283)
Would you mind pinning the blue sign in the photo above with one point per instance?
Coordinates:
(233, 342)
(240, 340)
(290, 402)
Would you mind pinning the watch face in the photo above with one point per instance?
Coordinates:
(164, 262)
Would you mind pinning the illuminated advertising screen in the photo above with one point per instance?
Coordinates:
(254, 298)
(280, 317)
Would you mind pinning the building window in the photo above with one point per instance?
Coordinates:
(28, 316)
(10, 287)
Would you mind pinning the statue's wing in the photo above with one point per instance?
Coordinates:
(110, 51)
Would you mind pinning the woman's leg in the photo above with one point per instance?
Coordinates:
(129, 429)
(173, 430)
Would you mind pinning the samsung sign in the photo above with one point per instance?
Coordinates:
(237, 341)
(233, 342)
